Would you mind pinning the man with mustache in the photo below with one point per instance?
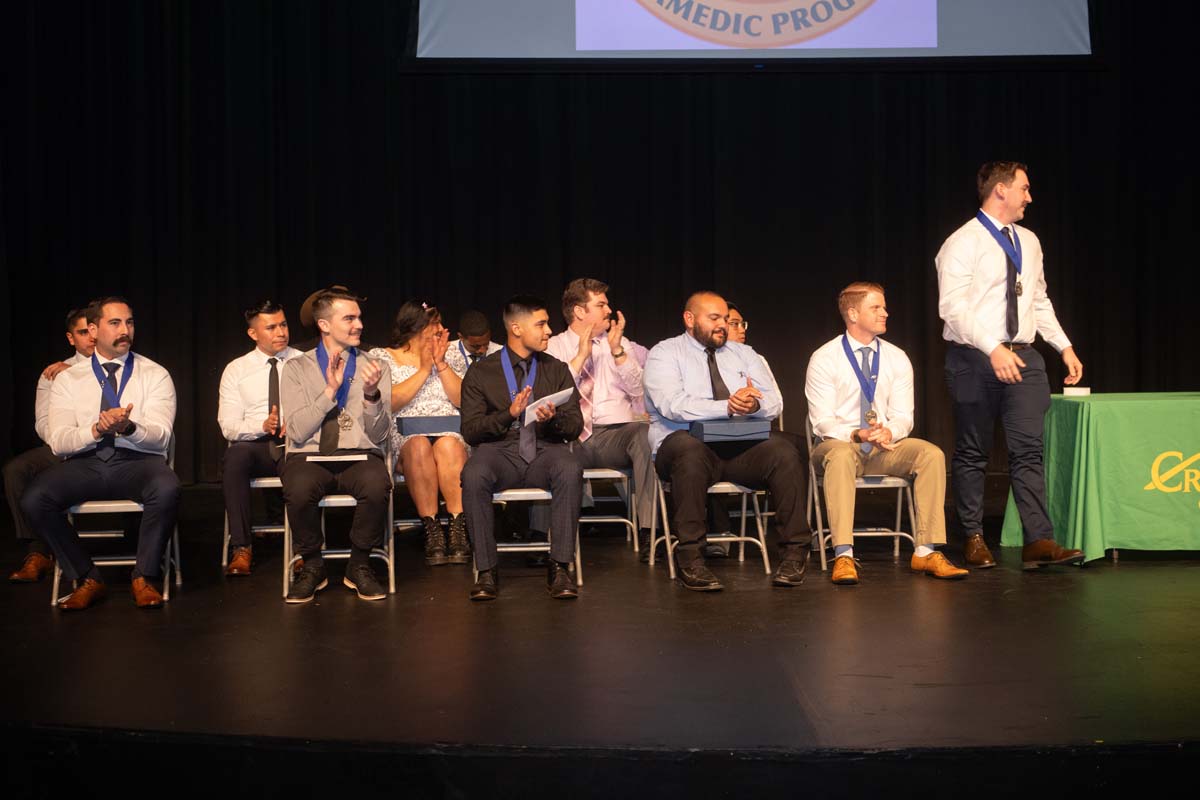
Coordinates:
(21, 470)
(336, 426)
(111, 417)
(510, 454)
(992, 297)
(700, 375)
(251, 420)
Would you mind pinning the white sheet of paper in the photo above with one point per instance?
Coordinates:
(351, 457)
(558, 398)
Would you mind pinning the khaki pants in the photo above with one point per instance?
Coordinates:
(841, 462)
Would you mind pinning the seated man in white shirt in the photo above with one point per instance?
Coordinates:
(111, 418)
(22, 469)
(860, 404)
(251, 420)
(607, 369)
(699, 375)
(474, 342)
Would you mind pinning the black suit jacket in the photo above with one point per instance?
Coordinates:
(485, 401)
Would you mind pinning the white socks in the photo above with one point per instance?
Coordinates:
(924, 550)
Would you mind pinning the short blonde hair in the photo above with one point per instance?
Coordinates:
(853, 295)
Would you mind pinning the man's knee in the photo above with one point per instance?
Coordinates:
(478, 475)
(162, 486)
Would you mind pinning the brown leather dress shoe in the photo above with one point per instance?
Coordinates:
(845, 571)
(936, 565)
(1045, 552)
(240, 563)
(976, 553)
(33, 568)
(87, 592)
(144, 594)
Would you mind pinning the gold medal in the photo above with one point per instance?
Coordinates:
(1019, 289)
(345, 421)
(872, 417)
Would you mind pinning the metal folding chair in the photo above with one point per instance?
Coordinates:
(170, 556)
(531, 496)
(747, 494)
(625, 493)
(255, 483)
(822, 535)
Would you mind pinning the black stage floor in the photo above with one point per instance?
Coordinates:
(1067, 677)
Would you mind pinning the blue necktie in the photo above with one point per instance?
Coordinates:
(108, 443)
(864, 405)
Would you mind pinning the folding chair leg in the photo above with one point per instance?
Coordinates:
(225, 545)
(742, 530)
(820, 529)
(286, 558)
(578, 560)
(896, 538)
(54, 586)
(390, 540)
(178, 561)
(761, 523)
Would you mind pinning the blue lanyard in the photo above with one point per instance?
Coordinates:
(106, 387)
(511, 379)
(1011, 249)
(343, 392)
(868, 384)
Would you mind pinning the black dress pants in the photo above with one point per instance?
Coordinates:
(692, 466)
(128, 475)
(306, 482)
(979, 397)
(242, 462)
(18, 474)
(495, 466)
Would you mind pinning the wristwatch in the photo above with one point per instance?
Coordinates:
(374, 399)
(619, 354)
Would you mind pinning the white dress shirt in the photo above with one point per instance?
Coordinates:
(834, 394)
(679, 387)
(973, 282)
(41, 402)
(243, 404)
(75, 407)
(616, 388)
(458, 363)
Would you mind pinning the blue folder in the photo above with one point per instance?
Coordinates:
(414, 426)
(735, 429)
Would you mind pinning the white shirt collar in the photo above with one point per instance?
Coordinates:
(999, 225)
(857, 346)
(120, 360)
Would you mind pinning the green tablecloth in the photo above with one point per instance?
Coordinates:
(1122, 470)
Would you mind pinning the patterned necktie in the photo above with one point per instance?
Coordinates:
(587, 382)
(273, 403)
(528, 435)
(1011, 323)
(719, 389)
(864, 405)
(108, 443)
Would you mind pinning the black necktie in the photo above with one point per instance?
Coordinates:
(474, 357)
(330, 433)
(108, 443)
(719, 389)
(1011, 323)
(528, 434)
(273, 403)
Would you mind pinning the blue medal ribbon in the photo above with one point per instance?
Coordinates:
(510, 377)
(114, 397)
(868, 384)
(1011, 249)
(343, 392)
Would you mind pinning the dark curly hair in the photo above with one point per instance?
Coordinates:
(411, 319)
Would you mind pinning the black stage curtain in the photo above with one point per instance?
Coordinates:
(197, 156)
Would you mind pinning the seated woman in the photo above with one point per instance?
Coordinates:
(424, 385)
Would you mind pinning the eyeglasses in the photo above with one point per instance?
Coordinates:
(744, 324)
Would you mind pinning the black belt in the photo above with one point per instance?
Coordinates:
(1017, 345)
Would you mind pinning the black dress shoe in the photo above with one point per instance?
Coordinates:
(559, 583)
(791, 571)
(307, 583)
(698, 577)
(487, 585)
(644, 545)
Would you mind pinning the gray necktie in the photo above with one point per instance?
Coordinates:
(108, 443)
(1011, 322)
(527, 438)
(864, 405)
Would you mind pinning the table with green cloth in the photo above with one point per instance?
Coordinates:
(1122, 471)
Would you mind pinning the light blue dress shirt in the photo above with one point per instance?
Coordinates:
(679, 389)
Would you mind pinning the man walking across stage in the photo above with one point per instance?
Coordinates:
(992, 297)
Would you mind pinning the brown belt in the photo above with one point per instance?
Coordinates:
(1017, 345)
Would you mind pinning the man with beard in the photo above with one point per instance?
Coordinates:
(111, 417)
(699, 375)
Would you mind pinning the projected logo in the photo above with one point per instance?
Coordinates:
(756, 23)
